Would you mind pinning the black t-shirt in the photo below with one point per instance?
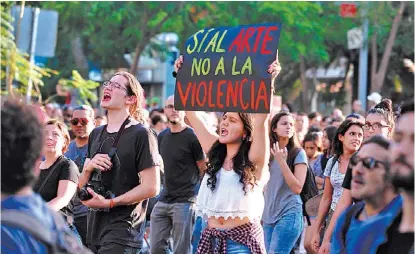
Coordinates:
(347, 182)
(180, 152)
(401, 243)
(66, 170)
(136, 151)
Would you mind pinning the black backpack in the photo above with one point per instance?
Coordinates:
(51, 239)
(310, 188)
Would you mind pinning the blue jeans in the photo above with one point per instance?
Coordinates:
(171, 221)
(234, 247)
(280, 237)
(200, 225)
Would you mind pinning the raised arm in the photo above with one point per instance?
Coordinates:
(259, 152)
(204, 134)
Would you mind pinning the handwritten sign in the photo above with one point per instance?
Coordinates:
(225, 69)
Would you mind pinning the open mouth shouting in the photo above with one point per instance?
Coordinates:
(107, 96)
(223, 132)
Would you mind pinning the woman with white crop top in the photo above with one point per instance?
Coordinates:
(230, 196)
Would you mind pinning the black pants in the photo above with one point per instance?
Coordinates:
(81, 225)
(111, 248)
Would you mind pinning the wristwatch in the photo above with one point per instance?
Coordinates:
(174, 74)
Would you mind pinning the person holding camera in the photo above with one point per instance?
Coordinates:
(120, 172)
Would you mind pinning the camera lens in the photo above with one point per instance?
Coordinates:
(83, 194)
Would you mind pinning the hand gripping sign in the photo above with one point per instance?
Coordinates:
(225, 69)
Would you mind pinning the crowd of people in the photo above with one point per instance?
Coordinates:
(196, 182)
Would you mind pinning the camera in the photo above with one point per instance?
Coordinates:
(96, 184)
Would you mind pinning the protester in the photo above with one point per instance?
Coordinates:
(322, 159)
(184, 162)
(301, 125)
(58, 176)
(380, 120)
(230, 195)
(356, 116)
(400, 235)
(325, 122)
(159, 123)
(22, 210)
(337, 113)
(82, 125)
(357, 107)
(337, 121)
(318, 169)
(283, 213)
(347, 141)
(312, 145)
(314, 119)
(129, 174)
(100, 121)
(359, 228)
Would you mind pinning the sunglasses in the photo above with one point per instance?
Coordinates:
(83, 121)
(368, 162)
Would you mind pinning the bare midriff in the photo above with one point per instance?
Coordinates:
(223, 223)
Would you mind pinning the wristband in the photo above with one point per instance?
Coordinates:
(111, 203)
(174, 74)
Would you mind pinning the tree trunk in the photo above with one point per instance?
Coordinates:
(134, 66)
(149, 34)
(380, 76)
(78, 54)
(304, 84)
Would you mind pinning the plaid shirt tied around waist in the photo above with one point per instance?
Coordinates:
(249, 234)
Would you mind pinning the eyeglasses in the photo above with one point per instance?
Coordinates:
(112, 84)
(368, 162)
(375, 126)
(170, 106)
(83, 121)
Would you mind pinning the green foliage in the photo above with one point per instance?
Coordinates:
(313, 30)
(15, 65)
(85, 87)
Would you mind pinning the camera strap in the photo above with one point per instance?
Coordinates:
(113, 148)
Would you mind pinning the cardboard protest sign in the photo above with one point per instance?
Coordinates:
(225, 69)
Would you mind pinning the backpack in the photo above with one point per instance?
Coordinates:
(310, 188)
(61, 241)
(352, 212)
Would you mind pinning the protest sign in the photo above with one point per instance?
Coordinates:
(225, 69)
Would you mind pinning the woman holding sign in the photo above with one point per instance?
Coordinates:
(231, 194)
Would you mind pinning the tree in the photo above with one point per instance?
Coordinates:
(378, 73)
(14, 64)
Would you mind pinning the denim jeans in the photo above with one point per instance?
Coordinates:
(200, 225)
(233, 247)
(171, 221)
(280, 237)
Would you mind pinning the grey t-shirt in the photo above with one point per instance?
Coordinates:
(279, 198)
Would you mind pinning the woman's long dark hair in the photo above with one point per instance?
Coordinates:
(331, 133)
(293, 143)
(241, 163)
(344, 126)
